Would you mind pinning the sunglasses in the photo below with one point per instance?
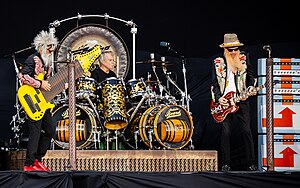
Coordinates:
(231, 50)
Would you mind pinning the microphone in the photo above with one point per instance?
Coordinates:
(267, 47)
(165, 44)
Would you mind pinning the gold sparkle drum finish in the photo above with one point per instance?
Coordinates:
(88, 86)
(114, 104)
(166, 126)
(84, 128)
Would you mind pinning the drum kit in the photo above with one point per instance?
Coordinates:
(115, 114)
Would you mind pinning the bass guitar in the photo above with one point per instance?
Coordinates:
(36, 101)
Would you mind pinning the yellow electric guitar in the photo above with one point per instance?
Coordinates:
(36, 101)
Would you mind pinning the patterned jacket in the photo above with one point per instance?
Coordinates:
(242, 79)
(33, 66)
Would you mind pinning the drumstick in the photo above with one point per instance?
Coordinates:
(117, 66)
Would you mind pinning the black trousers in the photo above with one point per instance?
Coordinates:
(243, 116)
(39, 140)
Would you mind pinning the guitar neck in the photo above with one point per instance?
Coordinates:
(58, 81)
(238, 98)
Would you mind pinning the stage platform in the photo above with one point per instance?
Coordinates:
(125, 160)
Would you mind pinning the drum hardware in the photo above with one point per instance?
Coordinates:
(176, 86)
(183, 61)
(154, 64)
(113, 138)
(145, 95)
(150, 133)
(97, 139)
(86, 96)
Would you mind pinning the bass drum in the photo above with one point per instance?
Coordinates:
(88, 35)
(85, 127)
(166, 127)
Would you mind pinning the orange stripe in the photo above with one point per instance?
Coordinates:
(285, 67)
(288, 137)
(286, 86)
(287, 97)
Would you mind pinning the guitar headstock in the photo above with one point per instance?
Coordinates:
(87, 59)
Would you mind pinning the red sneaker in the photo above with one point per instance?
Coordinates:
(32, 168)
(41, 165)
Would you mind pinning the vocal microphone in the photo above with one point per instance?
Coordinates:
(267, 47)
(164, 44)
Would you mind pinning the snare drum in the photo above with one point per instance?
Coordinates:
(113, 102)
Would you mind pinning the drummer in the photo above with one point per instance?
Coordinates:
(104, 67)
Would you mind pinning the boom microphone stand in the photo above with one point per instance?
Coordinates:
(17, 119)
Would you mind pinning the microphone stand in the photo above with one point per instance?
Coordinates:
(17, 119)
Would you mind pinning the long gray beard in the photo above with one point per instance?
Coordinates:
(47, 59)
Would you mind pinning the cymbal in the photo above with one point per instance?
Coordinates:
(155, 62)
(150, 82)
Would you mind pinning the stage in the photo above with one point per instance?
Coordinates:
(136, 168)
(82, 179)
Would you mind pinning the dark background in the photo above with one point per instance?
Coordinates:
(193, 28)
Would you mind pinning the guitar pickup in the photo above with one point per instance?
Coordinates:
(37, 107)
(37, 98)
(30, 103)
(37, 91)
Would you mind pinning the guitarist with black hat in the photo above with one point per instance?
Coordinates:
(232, 77)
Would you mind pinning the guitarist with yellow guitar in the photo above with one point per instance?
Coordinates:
(34, 74)
(233, 77)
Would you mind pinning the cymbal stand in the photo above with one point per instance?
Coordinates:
(157, 79)
(187, 97)
(161, 87)
(164, 68)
